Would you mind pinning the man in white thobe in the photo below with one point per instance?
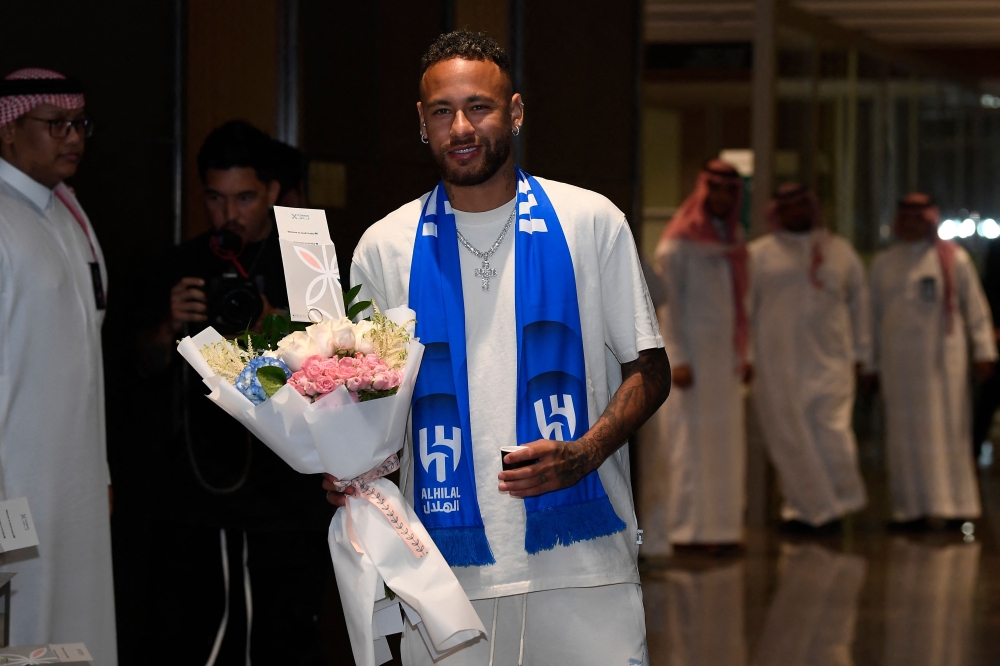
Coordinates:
(927, 302)
(701, 259)
(52, 430)
(578, 602)
(811, 333)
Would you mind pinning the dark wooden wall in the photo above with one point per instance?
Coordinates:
(580, 95)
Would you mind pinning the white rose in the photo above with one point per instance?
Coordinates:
(322, 337)
(295, 348)
(363, 342)
(342, 331)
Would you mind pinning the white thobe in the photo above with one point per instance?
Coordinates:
(807, 340)
(930, 596)
(925, 378)
(696, 616)
(52, 428)
(705, 429)
(814, 612)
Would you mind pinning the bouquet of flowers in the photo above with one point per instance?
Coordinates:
(335, 397)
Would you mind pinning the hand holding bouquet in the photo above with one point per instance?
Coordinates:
(334, 397)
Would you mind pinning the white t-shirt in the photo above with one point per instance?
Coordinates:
(618, 321)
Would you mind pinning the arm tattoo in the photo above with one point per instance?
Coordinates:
(645, 385)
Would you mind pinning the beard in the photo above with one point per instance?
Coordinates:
(495, 154)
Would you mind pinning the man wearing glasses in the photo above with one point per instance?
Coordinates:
(52, 429)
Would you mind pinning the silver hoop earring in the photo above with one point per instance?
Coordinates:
(516, 131)
(423, 139)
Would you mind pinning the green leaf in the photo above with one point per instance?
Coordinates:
(352, 293)
(358, 308)
(272, 378)
(274, 325)
(389, 593)
(259, 342)
(243, 340)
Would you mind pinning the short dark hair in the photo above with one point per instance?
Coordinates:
(238, 144)
(289, 167)
(466, 45)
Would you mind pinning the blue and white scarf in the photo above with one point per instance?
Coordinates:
(551, 382)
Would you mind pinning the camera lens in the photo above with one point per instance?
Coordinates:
(241, 306)
(236, 305)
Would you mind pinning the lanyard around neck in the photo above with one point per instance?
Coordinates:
(62, 193)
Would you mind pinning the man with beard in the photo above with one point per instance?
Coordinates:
(702, 259)
(928, 305)
(539, 332)
(812, 336)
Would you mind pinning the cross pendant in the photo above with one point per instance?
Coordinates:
(486, 273)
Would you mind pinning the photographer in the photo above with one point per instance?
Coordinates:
(247, 533)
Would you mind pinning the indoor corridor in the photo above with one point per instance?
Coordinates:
(865, 597)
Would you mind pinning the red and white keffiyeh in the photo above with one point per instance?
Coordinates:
(693, 222)
(15, 103)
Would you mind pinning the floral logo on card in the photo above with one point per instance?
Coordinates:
(36, 657)
(328, 278)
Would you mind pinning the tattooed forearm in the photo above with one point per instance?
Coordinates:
(575, 462)
(653, 388)
(645, 385)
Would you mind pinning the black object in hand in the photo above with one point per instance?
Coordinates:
(504, 450)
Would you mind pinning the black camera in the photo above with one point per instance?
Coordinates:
(234, 303)
(234, 300)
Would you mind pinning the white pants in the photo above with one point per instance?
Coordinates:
(583, 626)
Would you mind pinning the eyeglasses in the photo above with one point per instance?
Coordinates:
(59, 129)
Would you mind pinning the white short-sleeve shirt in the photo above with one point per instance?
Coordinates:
(618, 321)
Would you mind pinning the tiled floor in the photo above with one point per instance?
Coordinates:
(863, 598)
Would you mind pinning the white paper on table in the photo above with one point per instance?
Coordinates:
(17, 527)
(347, 440)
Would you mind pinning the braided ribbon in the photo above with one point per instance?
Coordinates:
(395, 518)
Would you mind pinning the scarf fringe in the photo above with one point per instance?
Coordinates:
(570, 523)
(463, 546)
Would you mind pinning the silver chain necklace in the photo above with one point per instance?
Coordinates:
(486, 272)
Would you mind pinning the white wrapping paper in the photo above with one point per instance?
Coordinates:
(347, 439)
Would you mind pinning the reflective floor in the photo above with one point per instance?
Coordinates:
(863, 597)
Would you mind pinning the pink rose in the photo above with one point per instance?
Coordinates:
(382, 382)
(353, 384)
(324, 384)
(397, 377)
(337, 383)
(366, 379)
(313, 367)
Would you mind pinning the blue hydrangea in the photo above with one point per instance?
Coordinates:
(247, 382)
